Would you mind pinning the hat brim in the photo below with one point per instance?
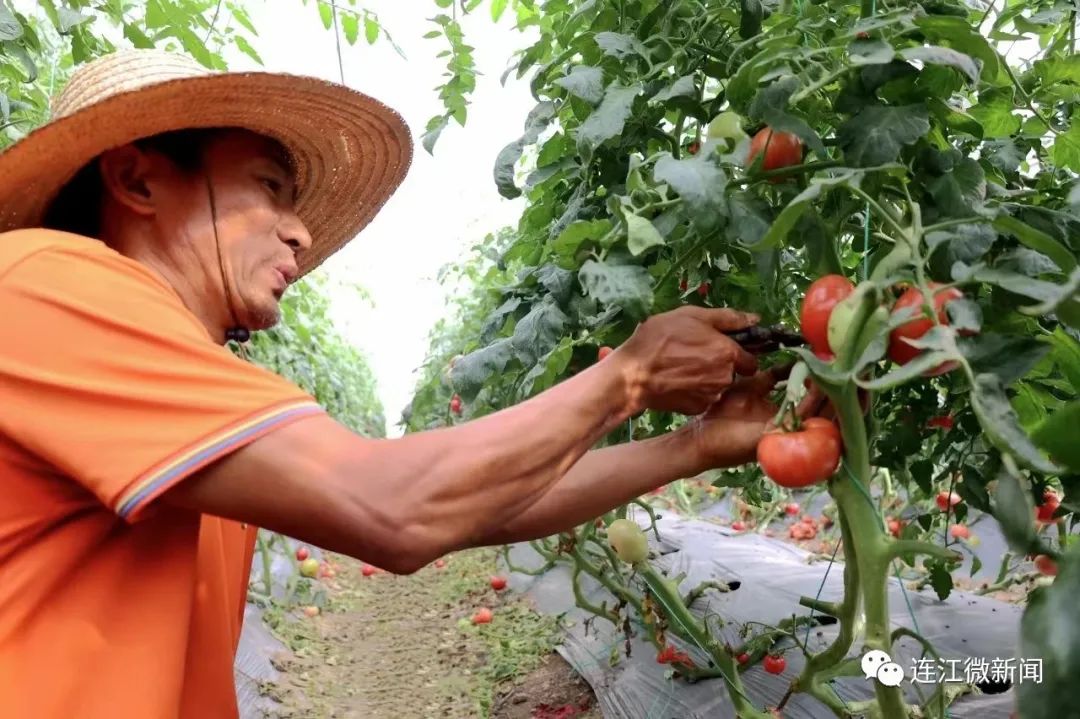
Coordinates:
(351, 152)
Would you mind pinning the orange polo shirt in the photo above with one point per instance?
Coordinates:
(112, 604)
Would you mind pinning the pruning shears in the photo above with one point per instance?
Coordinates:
(761, 340)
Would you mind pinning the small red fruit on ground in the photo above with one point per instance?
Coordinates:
(302, 553)
(498, 583)
(367, 570)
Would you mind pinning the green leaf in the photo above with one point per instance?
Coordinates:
(471, 372)
(944, 56)
(682, 87)
(1008, 357)
(1058, 436)
(69, 19)
(994, 112)
(1000, 425)
(434, 128)
(956, 120)
(607, 120)
(966, 243)
(698, 181)
(567, 242)
(20, 54)
(557, 281)
(246, 48)
(371, 29)
(1050, 631)
(1066, 355)
(350, 27)
(1004, 155)
(940, 579)
(1037, 240)
(1058, 69)
(770, 105)
(787, 218)
(641, 234)
(871, 52)
(548, 369)
(584, 81)
(1063, 295)
(1014, 512)
(904, 374)
(241, 16)
(620, 46)
(961, 190)
(326, 12)
(959, 34)
(876, 135)
(535, 124)
(538, 332)
(497, 9)
(10, 27)
(1065, 152)
(626, 286)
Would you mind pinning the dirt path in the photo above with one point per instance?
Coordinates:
(401, 647)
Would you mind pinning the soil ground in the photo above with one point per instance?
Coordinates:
(400, 647)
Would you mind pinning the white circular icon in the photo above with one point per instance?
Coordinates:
(890, 674)
(872, 661)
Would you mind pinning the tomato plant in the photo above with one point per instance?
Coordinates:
(934, 166)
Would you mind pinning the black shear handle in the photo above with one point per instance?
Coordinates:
(761, 340)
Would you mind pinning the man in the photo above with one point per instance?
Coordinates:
(138, 455)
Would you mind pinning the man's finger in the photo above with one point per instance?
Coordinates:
(746, 364)
(724, 319)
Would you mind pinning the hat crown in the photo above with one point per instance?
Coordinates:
(120, 72)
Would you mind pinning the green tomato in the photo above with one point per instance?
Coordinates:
(309, 567)
(839, 321)
(725, 126)
(628, 541)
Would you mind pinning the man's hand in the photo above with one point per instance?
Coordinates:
(681, 361)
(727, 434)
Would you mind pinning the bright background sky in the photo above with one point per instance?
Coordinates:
(447, 202)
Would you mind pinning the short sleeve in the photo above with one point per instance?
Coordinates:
(106, 376)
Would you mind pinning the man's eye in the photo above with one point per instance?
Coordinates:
(273, 185)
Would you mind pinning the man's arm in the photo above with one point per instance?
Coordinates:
(400, 503)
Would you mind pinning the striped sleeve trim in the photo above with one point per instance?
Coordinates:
(217, 445)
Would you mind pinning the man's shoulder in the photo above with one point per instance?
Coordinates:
(52, 248)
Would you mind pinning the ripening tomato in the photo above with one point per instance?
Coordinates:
(455, 404)
(440, 563)
(311, 611)
(782, 149)
(959, 531)
(693, 148)
(821, 297)
(367, 570)
(498, 583)
(628, 541)
(791, 509)
(775, 664)
(703, 289)
(482, 616)
(900, 351)
(944, 500)
(604, 352)
(1045, 511)
(309, 567)
(803, 457)
(302, 553)
(944, 421)
(743, 658)
(1046, 566)
(738, 526)
(895, 526)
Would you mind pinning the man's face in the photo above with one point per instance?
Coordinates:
(258, 230)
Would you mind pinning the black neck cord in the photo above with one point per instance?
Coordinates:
(237, 333)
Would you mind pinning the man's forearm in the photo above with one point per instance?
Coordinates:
(602, 480)
(457, 485)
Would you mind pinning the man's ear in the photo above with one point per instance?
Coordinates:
(129, 176)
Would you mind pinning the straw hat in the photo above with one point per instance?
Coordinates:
(350, 151)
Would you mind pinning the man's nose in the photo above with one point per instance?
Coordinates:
(295, 234)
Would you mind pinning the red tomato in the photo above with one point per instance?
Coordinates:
(1045, 511)
(862, 35)
(703, 289)
(944, 500)
(498, 583)
(310, 611)
(440, 563)
(604, 352)
(693, 148)
(782, 149)
(743, 658)
(738, 526)
(302, 553)
(895, 526)
(959, 531)
(821, 297)
(791, 509)
(683, 284)
(775, 664)
(482, 616)
(900, 351)
(1046, 565)
(943, 422)
(803, 457)
(455, 404)
(367, 570)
